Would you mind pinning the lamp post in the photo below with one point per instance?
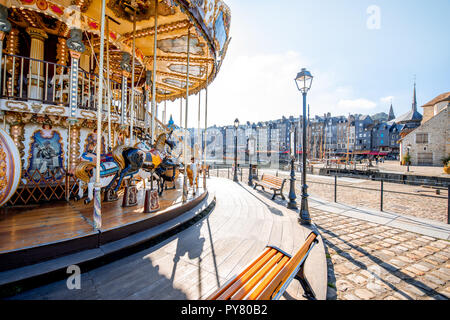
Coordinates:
(236, 126)
(251, 153)
(408, 148)
(303, 81)
(292, 204)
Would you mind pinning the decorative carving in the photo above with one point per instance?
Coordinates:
(125, 63)
(75, 42)
(16, 105)
(145, 9)
(61, 55)
(55, 110)
(37, 33)
(179, 45)
(36, 107)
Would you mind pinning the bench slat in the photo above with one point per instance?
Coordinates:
(272, 289)
(269, 278)
(247, 274)
(248, 287)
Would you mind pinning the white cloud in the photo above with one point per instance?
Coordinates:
(356, 105)
(261, 87)
(387, 99)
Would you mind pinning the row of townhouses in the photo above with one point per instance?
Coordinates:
(331, 136)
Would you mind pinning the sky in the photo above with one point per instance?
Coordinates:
(362, 54)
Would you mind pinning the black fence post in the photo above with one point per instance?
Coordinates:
(381, 197)
(335, 188)
(241, 174)
(448, 205)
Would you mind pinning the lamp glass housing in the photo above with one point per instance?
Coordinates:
(304, 80)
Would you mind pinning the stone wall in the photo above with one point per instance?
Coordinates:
(438, 144)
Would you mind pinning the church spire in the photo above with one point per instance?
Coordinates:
(391, 113)
(414, 104)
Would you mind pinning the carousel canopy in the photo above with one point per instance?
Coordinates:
(206, 21)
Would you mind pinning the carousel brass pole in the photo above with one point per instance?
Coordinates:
(132, 79)
(206, 128)
(108, 85)
(181, 112)
(97, 189)
(165, 110)
(155, 46)
(185, 187)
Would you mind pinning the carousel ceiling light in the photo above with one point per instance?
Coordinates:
(236, 123)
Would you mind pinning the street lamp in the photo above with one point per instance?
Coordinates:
(292, 204)
(236, 126)
(303, 81)
(251, 154)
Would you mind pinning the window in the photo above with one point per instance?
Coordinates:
(422, 138)
(425, 159)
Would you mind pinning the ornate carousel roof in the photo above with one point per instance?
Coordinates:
(206, 21)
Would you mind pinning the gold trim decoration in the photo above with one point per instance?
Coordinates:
(17, 106)
(55, 110)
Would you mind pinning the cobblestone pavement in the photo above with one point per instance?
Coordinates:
(413, 201)
(368, 261)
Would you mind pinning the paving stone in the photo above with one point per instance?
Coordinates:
(414, 290)
(391, 241)
(341, 269)
(343, 285)
(359, 280)
(364, 294)
(393, 279)
(397, 263)
(351, 297)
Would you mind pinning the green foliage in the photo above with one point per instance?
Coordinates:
(446, 160)
(407, 158)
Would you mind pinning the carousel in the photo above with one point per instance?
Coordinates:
(84, 158)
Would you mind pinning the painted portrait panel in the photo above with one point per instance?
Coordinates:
(46, 154)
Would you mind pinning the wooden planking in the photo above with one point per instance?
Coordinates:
(61, 220)
(187, 267)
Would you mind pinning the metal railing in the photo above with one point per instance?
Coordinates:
(335, 188)
(28, 79)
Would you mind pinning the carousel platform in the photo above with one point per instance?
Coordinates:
(52, 237)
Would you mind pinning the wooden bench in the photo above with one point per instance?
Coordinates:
(273, 183)
(268, 276)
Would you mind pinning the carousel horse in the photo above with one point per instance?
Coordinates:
(193, 173)
(124, 164)
(141, 159)
(167, 170)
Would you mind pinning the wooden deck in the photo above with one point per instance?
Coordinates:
(24, 228)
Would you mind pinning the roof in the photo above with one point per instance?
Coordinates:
(410, 116)
(440, 98)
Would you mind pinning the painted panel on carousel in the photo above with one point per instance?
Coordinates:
(90, 146)
(46, 154)
(10, 167)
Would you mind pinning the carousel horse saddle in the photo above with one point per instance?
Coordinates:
(108, 168)
(87, 156)
(153, 157)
